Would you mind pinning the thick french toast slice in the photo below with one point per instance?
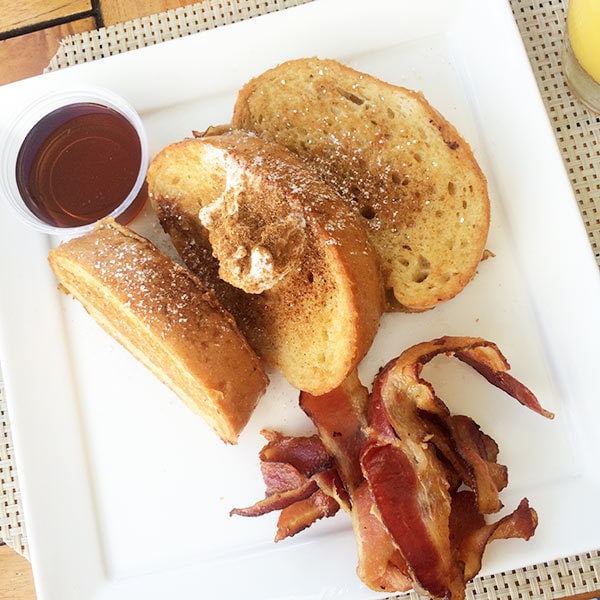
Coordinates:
(167, 319)
(250, 211)
(393, 158)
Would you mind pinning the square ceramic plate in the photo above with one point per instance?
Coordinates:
(126, 494)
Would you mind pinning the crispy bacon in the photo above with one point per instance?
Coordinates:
(280, 477)
(407, 480)
(406, 459)
(307, 454)
(380, 564)
(488, 478)
(331, 483)
(458, 438)
(340, 419)
(489, 362)
(302, 514)
(483, 356)
(395, 461)
(299, 482)
(457, 471)
(471, 534)
(411, 496)
(278, 500)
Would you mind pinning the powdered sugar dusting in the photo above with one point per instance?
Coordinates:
(163, 295)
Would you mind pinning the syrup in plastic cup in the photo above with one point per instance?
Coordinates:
(73, 157)
(581, 51)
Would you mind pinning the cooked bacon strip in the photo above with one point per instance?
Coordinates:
(287, 465)
(488, 477)
(380, 565)
(306, 454)
(325, 502)
(304, 513)
(469, 456)
(340, 418)
(471, 534)
(331, 483)
(312, 499)
(411, 496)
(483, 356)
(280, 477)
(397, 470)
(277, 501)
(489, 362)
(407, 480)
(401, 456)
(292, 469)
(457, 471)
(409, 392)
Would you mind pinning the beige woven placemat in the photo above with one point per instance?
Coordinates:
(12, 528)
(577, 133)
(577, 129)
(154, 29)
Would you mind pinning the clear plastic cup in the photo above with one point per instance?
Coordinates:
(33, 114)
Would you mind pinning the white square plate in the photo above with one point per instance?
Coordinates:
(126, 494)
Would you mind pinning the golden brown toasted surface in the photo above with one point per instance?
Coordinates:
(393, 158)
(318, 316)
(167, 319)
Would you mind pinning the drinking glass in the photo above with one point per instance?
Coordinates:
(581, 51)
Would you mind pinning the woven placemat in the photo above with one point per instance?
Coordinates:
(577, 129)
(12, 528)
(578, 135)
(154, 29)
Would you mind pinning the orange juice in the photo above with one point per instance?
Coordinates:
(583, 25)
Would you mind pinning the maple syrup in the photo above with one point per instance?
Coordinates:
(78, 164)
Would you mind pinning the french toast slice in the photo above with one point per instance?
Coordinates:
(313, 297)
(396, 160)
(167, 319)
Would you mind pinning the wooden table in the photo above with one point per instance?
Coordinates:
(30, 30)
(16, 579)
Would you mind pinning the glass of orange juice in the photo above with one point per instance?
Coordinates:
(581, 51)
